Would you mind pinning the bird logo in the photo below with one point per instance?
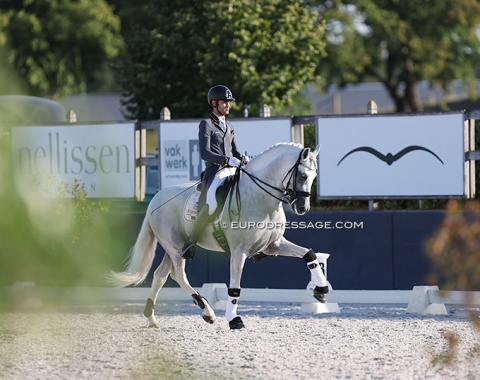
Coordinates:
(390, 158)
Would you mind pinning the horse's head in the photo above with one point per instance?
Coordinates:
(302, 175)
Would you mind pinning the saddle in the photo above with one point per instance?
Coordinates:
(197, 200)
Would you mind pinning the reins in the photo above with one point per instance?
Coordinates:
(256, 181)
(289, 195)
(172, 198)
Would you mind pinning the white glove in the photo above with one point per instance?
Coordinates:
(234, 161)
(245, 159)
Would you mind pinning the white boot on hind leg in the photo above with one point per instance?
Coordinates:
(208, 314)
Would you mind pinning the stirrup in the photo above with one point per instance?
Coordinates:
(188, 250)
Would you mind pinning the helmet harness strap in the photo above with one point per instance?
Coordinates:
(216, 107)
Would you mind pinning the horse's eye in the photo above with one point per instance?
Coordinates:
(304, 176)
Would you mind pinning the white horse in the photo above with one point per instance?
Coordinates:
(285, 172)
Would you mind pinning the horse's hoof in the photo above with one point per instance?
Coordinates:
(153, 326)
(208, 319)
(320, 293)
(236, 324)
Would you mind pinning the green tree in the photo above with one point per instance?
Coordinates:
(266, 52)
(401, 43)
(58, 47)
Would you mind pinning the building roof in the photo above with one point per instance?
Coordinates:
(95, 107)
(30, 110)
(352, 99)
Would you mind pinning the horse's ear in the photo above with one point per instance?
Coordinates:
(305, 153)
(317, 150)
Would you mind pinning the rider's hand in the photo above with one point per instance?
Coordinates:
(245, 160)
(234, 161)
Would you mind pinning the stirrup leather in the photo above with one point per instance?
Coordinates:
(220, 237)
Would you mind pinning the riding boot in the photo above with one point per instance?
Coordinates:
(188, 250)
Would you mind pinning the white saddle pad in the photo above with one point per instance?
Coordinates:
(190, 208)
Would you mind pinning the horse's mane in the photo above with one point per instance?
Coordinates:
(279, 145)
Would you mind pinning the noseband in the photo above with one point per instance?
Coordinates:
(291, 195)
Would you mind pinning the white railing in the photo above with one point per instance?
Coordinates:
(420, 300)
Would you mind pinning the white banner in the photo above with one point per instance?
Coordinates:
(391, 156)
(102, 157)
(179, 152)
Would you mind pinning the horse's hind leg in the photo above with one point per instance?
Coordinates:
(179, 275)
(159, 278)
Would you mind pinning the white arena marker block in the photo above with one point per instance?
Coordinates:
(319, 308)
(420, 303)
(210, 292)
(23, 294)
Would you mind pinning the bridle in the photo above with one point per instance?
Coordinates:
(289, 194)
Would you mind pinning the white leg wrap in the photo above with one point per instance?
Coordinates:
(231, 310)
(152, 321)
(318, 277)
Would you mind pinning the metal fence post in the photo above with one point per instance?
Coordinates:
(245, 110)
(165, 114)
(372, 109)
(71, 117)
(265, 111)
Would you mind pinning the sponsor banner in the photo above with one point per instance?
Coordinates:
(102, 157)
(391, 156)
(180, 160)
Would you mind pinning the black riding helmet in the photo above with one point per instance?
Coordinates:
(220, 92)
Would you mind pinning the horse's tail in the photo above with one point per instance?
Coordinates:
(140, 259)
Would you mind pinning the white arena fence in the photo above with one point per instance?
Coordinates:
(420, 300)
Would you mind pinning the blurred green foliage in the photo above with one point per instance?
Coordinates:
(454, 252)
(454, 249)
(64, 240)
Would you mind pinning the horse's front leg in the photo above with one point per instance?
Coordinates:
(283, 247)
(237, 262)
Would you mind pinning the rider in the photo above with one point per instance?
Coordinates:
(219, 151)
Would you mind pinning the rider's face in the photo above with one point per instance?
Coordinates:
(223, 107)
